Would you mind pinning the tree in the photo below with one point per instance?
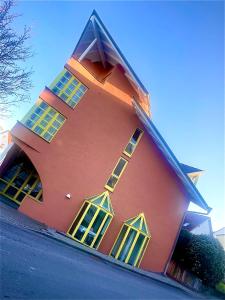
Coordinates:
(14, 78)
(202, 255)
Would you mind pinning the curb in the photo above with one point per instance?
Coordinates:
(51, 233)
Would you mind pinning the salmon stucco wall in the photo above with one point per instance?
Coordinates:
(82, 155)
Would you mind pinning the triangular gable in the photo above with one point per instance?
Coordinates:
(139, 223)
(102, 200)
(97, 45)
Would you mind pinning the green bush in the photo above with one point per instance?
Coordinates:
(202, 255)
(220, 287)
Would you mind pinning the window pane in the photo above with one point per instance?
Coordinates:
(36, 189)
(144, 229)
(34, 117)
(64, 80)
(71, 103)
(40, 198)
(47, 118)
(38, 130)
(52, 112)
(52, 130)
(11, 191)
(102, 231)
(20, 196)
(119, 240)
(20, 178)
(130, 148)
(86, 221)
(119, 167)
(60, 85)
(64, 97)
(56, 90)
(43, 105)
(76, 221)
(133, 142)
(44, 123)
(93, 230)
(127, 245)
(140, 257)
(2, 185)
(112, 181)
(60, 118)
(10, 173)
(29, 124)
(56, 124)
(98, 200)
(75, 82)
(83, 88)
(68, 92)
(75, 98)
(67, 75)
(47, 136)
(136, 249)
(29, 184)
(137, 224)
(105, 204)
(136, 135)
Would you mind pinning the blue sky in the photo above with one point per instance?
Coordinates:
(176, 48)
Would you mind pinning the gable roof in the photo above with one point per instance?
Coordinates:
(97, 45)
(194, 194)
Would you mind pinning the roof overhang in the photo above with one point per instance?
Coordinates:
(192, 191)
(194, 219)
(97, 45)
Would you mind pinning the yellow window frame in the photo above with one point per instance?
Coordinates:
(116, 176)
(38, 122)
(139, 232)
(134, 144)
(99, 208)
(63, 90)
(20, 190)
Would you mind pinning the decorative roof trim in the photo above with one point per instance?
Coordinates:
(95, 18)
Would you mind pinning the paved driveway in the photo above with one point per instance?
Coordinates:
(36, 267)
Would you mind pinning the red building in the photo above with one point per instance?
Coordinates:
(87, 159)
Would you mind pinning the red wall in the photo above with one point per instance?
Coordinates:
(83, 154)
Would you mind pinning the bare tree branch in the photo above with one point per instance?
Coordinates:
(15, 80)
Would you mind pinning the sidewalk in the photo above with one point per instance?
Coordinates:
(12, 216)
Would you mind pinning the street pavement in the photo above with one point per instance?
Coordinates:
(34, 266)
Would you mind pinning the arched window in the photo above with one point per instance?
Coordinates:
(19, 180)
(132, 241)
(92, 220)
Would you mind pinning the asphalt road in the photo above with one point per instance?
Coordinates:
(36, 267)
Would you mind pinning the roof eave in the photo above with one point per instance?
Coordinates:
(168, 154)
(116, 48)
